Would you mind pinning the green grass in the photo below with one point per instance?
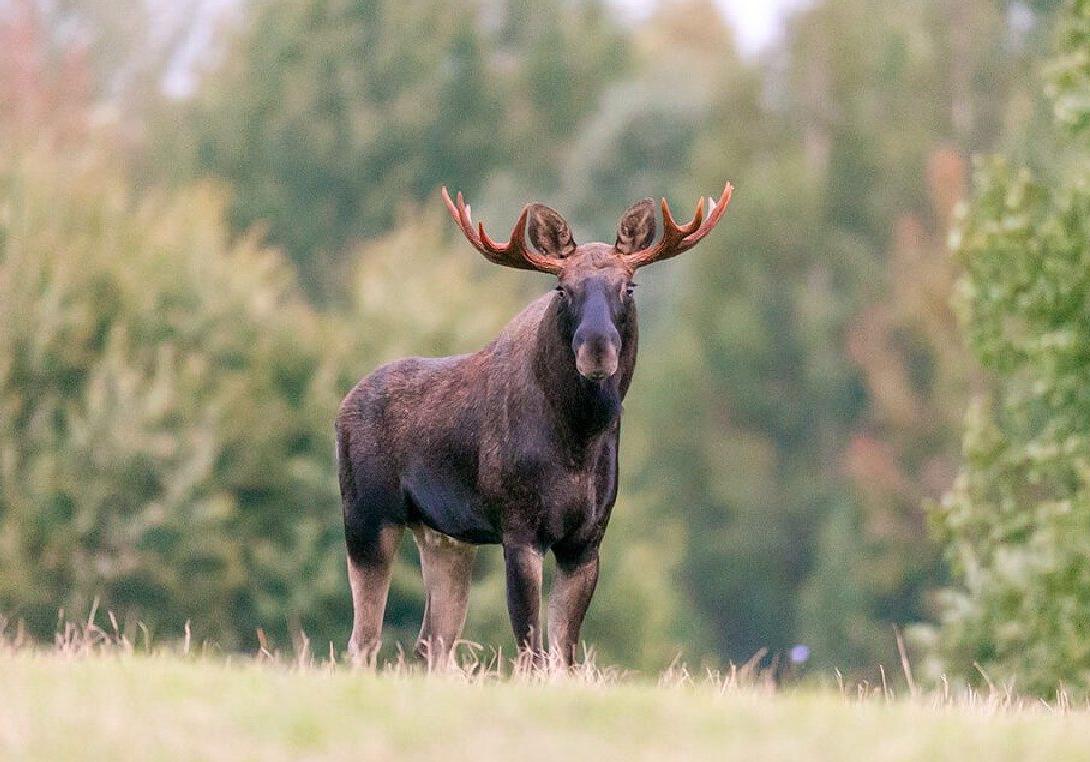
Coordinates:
(56, 707)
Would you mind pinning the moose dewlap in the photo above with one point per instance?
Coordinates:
(515, 444)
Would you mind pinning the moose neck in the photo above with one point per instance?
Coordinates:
(582, 408)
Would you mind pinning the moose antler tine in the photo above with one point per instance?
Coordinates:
(670, 224)
(465, 221)
(714, 213)
(488, 242)
(724, 198)
(462, 209)
(672, 234)
(719, 207)
(667, 218)
(449, 203)
(698, 217)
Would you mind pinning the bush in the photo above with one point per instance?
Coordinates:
(1017, 522)
(165, 437)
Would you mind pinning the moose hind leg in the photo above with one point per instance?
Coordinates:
(447, 565)
(369, 567)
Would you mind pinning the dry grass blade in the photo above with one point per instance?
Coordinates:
(475, 664)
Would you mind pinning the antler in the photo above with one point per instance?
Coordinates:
(678, 238)
(514, 253)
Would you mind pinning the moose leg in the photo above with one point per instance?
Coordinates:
(524, 564)
(447, 565)
(369, 566)
(573, 587)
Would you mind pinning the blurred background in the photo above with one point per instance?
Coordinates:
(217, 215)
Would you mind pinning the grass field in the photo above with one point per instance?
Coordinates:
(55, 706)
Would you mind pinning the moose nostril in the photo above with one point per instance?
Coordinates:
(597, 358)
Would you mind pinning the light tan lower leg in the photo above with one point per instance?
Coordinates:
(573, 587)
(447, 565)
(370, 583)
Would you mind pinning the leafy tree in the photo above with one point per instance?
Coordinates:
(1016, 522)
(328, 116)
(44, 93)
(790, 540)
(164, 400)
(639, 139)
(554, 58)
(74, 67)
(903, 452)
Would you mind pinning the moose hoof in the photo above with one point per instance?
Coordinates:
(363, 654)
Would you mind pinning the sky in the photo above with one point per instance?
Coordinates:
(756, 22)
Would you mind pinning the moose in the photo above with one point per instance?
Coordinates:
(515, 444)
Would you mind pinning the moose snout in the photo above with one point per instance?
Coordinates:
(596, 354)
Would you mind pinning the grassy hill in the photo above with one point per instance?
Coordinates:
(116, 706)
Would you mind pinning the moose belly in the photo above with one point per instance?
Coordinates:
(445, 502)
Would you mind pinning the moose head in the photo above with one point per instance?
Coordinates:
(595, 279)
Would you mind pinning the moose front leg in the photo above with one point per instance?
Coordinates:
(576, 578)
(524, 564)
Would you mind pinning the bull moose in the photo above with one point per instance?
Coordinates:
(515, 444)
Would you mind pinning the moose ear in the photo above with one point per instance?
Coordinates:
(548, 232)
(636, 229)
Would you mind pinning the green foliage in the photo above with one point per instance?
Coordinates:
(329, 116)
(1069, 70)
(810, 403)
(560, 56)
(799, 389)
(164, 397)
(318, 119)
(1016, 523)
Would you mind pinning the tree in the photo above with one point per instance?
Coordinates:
(1016, 523)
(877, 549)
(792, 539)
(92, 64)
(328, 116)
(164, 398)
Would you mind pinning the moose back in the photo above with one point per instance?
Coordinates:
(515, 444)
